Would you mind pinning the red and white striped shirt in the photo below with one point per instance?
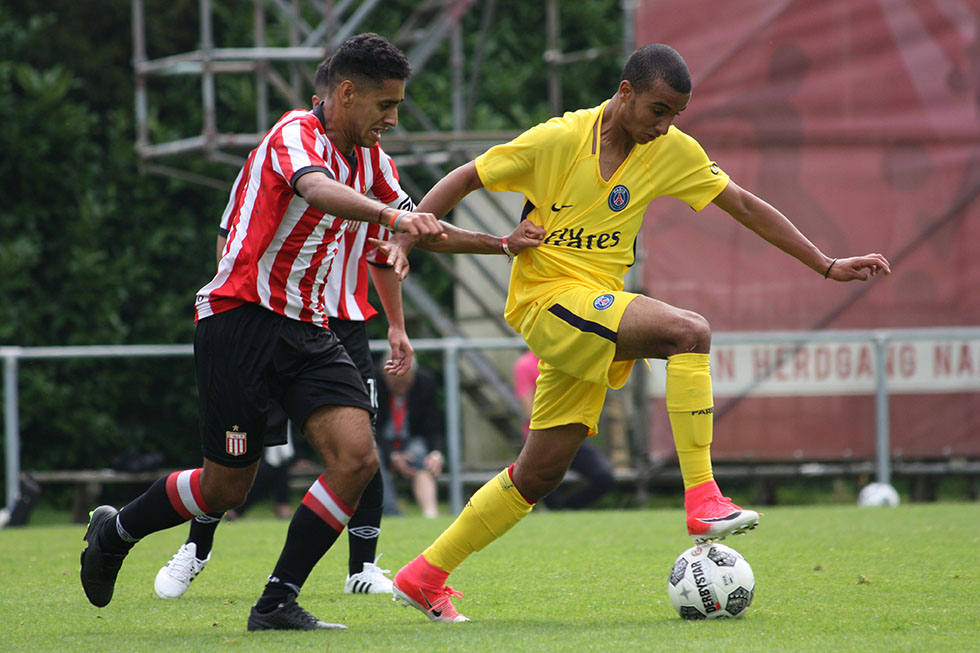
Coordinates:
(280, 249)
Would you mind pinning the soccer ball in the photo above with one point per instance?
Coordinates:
(711, 581)
(878, 495)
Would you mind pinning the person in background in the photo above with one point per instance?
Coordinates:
(589, 462)
(411, 432)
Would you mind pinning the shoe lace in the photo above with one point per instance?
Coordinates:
(299, 615)
(444, 599)
(375, 568)
(184, 564)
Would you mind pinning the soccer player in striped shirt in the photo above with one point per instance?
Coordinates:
(261, 338)
(346, 300)
(588, 177)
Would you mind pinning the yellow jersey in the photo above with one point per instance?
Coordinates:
(590, 223)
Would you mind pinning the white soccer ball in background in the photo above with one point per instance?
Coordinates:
(711, 581)
(878, 495)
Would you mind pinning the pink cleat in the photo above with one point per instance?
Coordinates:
(421, 585)
(711, 516)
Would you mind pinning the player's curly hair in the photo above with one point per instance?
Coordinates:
(657, 61)
(367, 57)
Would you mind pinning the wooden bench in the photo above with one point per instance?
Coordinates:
(88, 485)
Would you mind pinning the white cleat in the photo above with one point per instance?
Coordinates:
(372, 580)
(175, 577)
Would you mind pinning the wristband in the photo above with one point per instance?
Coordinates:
(503, 246)
(394, 223)
(827, 273)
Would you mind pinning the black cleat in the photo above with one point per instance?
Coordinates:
(288, 616)
(99, 570)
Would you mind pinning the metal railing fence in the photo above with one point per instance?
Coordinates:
(451, 349)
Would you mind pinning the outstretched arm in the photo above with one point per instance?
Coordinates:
(340, 200)
(765, 220)
(446, 194)
(449, 190)
(389, 289)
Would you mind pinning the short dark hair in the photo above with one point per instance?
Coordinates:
(657, 61)
(366, 56)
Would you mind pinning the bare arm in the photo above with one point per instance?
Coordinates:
(770, 224)
(446, 194)
(389, 289)
(338, 199)
(221, 246)
(449, 190)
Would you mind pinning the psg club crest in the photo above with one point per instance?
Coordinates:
(602, 302)
(235, 441)
(619, 197)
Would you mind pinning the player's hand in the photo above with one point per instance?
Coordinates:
(412, 222)
(525, 235)
(401, 352)
(396, 252)
(859, 268)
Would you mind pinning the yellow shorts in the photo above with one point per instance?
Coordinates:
(574, 335)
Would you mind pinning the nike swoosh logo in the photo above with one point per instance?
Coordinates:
(435, 613)
(556, 208)
(712, 520)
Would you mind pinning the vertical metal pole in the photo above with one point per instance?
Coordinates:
(882, 423)
(11, 426)
(261, 70)
(629, 27)
(139, 57)
(210, 127)
(457, 62)
(453, 435)
(553, 31)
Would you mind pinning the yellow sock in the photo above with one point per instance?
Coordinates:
(689, 406)
(489, 513)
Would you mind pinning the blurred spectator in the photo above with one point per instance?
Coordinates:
(410, 432)
(589, 462)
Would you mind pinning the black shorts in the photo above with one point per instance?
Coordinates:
(276, 425)
(249, 358)
(353, 336)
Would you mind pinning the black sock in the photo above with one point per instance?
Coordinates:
(365, 526)
(111, 540)
(276, 593)
(307, 539)
(202, 532)
(148, 513)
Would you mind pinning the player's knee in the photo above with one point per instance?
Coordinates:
(226, 496)
(537, 484)
(693, 334)
(362, 462)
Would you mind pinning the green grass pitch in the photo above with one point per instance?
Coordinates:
(827, 579)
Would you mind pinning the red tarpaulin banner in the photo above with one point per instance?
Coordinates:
(860, 120)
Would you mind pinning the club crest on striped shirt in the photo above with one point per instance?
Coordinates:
(235, 441)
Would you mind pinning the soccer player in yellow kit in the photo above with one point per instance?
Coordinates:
(587, 178)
